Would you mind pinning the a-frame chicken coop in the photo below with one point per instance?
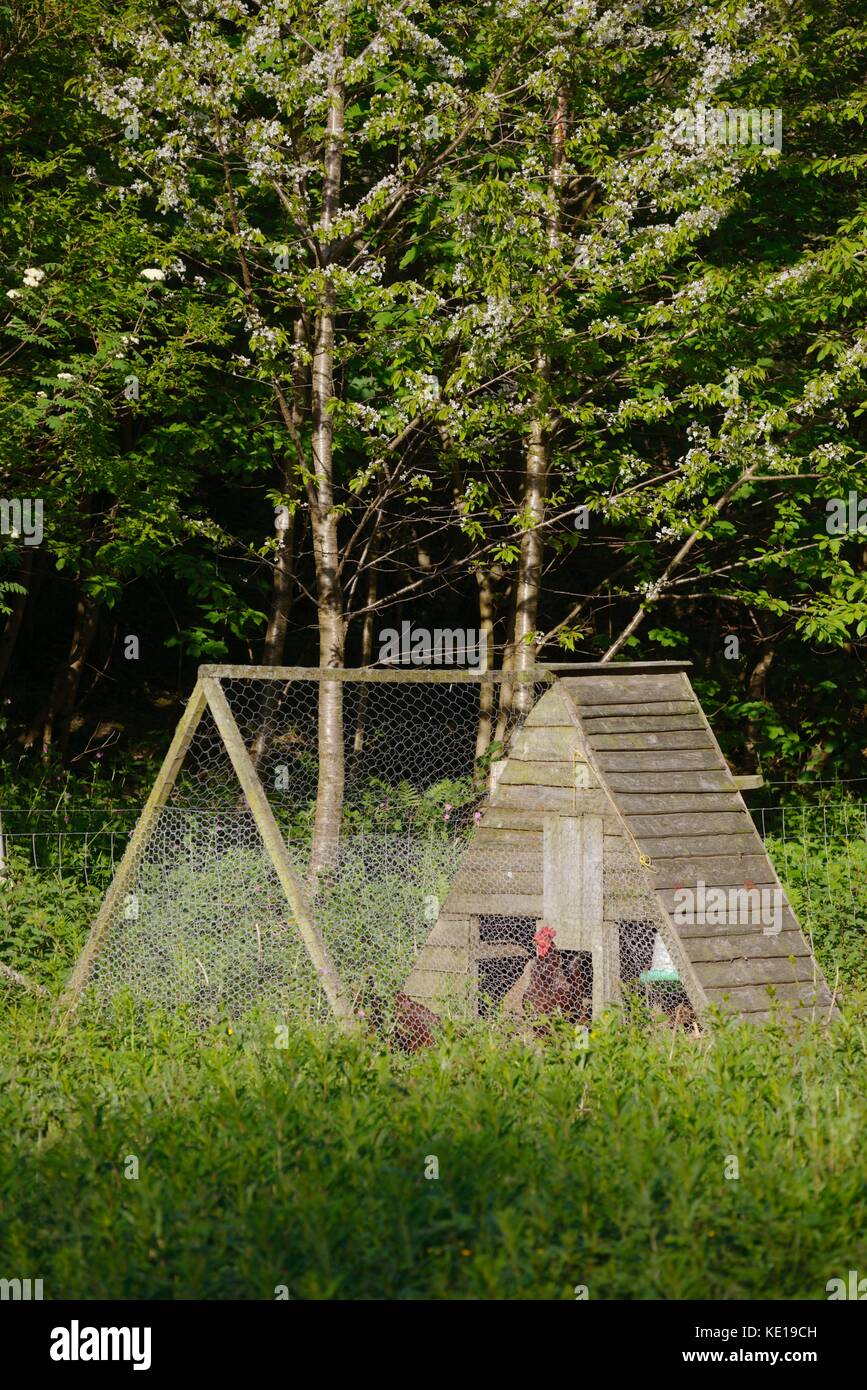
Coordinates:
(493, 842)
(615, 819)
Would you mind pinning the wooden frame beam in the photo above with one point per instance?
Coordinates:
(268, 828)
(139, 838)
(437, 675)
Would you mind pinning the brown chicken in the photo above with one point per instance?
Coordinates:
(556, 984)
(414, 1023)
(683, 1017)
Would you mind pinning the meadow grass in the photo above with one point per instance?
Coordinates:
(305, 1165)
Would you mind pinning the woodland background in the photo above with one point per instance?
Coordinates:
(319, 318)
(342, 312)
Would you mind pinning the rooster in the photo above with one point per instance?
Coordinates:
(555, 985)
(414, 1024)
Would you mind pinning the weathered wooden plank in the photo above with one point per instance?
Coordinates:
(796, 1015)
(443, 990)
(572, 887)
(536, 798)
(498, 877)
(493, 839)
(647, 742)
(501, 950)
(440, 957)
(621, 857)
(501, 840)
(450, 931)
(649, 783)
(680, 846)
(510, 818)
(634, 805)
(485, 864)
(605, 974)
(561, 892)
(614, 833)
(750, 945)
(755, 998)
(642, 723)
(646, 710)
(546, 745)
(627, 912)
(428, 675)
(666, 760)
(590, 691)
(717, 870)
(775, 970)
(650, 826)
(736, 923)
(499, 904)
(528, 774)
(620, 668)
(548, 712)
(748, 781)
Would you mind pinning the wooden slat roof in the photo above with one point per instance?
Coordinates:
(655, 755)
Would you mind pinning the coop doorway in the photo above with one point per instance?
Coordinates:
(505, 947)
(505, 954)
(648, 976)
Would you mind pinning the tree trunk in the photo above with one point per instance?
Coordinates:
(529, 577)
(504, 703)
(274, 645)
(537, 464)
(485, 725)
(17, 604)
(53, 724)
(326, 549)
(756, 691)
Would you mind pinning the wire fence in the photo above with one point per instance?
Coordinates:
(820, 852)
(84, 846)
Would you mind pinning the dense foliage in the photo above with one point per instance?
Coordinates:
(441, 284)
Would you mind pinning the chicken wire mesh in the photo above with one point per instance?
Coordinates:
(203, 923)
(648, 964)
(199, 920)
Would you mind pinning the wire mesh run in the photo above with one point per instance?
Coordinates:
(202, 923)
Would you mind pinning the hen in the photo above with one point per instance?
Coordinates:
(556, 986)
(414, 1023)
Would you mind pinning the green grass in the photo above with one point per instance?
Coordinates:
(305, 1166)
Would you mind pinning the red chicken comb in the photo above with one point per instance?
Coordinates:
(544, 940)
